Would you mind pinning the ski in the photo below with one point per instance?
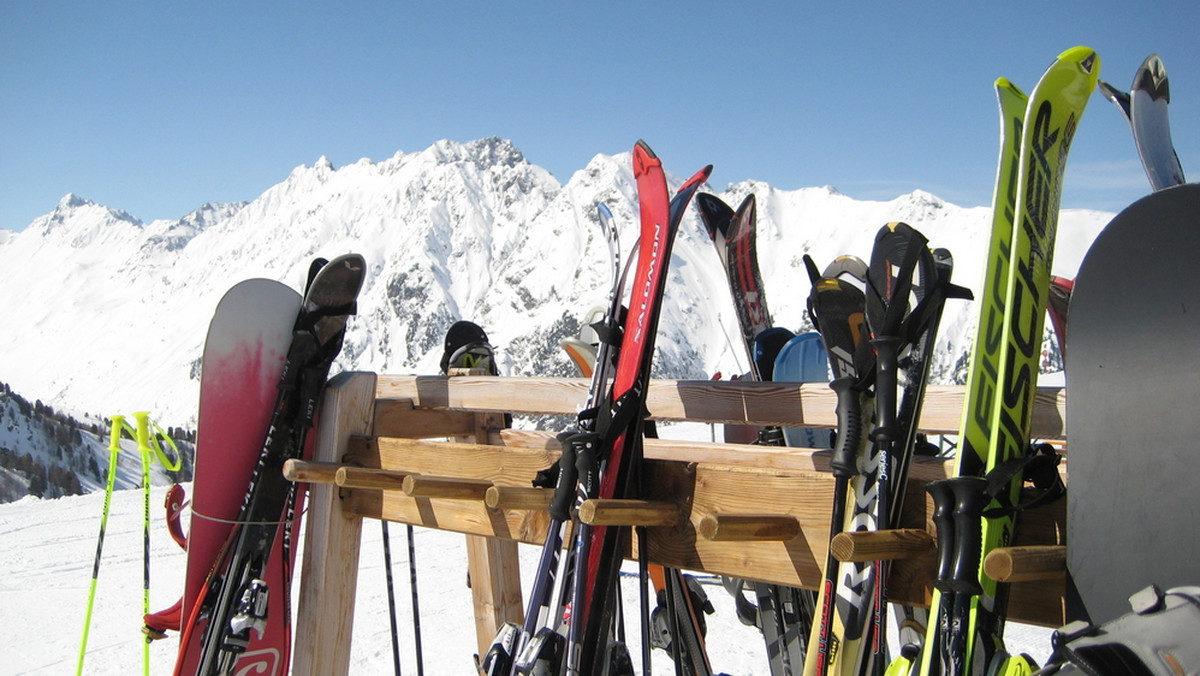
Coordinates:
(1035, 139)
(609, 468)
(734, 235)
(674, 615)
(235, 610)
(540, 640)
(838, 304)
(1144, 107)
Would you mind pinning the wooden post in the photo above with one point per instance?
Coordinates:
(329, 572)
(494, 565)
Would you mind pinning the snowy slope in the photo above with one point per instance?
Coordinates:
(112, 311)
(49, 454)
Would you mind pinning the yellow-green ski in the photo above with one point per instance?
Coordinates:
(968, 609)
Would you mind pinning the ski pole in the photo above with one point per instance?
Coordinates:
(142, 435)
(391, 594)
(412, 576)
(114, 447)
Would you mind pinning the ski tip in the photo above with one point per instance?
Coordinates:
(748, 205)
(1086, 57)
(715, 214)
(1007, 86)
(644, 159)
(1152, 79)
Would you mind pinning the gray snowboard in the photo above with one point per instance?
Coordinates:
(1133, 385)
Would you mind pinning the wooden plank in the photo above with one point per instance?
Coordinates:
(329, 571)
(398, 418)
(732, 402)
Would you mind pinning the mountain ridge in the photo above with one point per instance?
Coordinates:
(112, 311)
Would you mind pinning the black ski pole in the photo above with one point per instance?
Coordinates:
(391, 594)
(412, 573)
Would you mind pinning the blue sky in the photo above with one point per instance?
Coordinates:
(158, 107)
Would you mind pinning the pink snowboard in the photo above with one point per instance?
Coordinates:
(244, 353)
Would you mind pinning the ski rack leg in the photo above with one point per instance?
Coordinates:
(494, 565)
(325, 613)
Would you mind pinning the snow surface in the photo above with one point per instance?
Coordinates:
(48, 548)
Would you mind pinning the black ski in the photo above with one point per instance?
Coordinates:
(783, 614)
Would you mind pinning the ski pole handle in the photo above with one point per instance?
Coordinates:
(843, 462)
(114, 433)
(886, 348)
(943, 521)
(568, 476)
(970, 497)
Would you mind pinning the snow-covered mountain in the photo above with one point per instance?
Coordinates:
(107, 314)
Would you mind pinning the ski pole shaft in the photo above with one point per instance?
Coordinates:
(412, 575)
(142, 436)
(391, 594)
(114, 447)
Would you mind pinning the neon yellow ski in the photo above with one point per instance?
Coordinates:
(965, 635)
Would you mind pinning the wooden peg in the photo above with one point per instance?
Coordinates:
(1026, 564)
(446, 488)
(628, 513)
(309, 471)
(881, 545)
(362, 477)
(518, 497)
(748, 527)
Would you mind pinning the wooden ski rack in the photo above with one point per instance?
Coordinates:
(754, 512)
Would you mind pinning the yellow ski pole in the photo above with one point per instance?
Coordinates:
(143, 445)
(114, 447)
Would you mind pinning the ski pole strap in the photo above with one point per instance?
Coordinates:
(149, 436)
(609, 331)
(148, 441)
(928, 307)
(1039, 467)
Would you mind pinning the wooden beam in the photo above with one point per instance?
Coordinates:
(733, 402)
(329, 571)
